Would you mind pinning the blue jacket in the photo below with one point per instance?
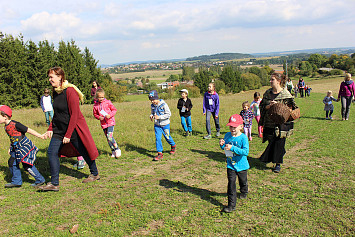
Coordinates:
(240, 149)
(214, 107)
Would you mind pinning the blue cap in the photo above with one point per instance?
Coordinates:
(153, 95)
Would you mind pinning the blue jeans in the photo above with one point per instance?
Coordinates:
(162, 131)
(14, 167)
(48, 114)
(53, 149)
(187, 121)
(109, 135)
(208, 123)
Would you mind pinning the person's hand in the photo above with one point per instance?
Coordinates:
(101, 118)
(66, 140)
(156, 116)
(228, 147)
(151, 117)
(43, 136)
(8, 151)
(204, 113)
(221, 142)
(216, 116)
(48, 134)
(107, 116)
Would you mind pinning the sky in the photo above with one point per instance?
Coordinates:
(139, 30)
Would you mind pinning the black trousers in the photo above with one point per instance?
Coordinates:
(275, 150)
(232, 187)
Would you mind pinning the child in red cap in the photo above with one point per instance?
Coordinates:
(236, 147)
(22, 150)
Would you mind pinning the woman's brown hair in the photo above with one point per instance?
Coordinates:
(280, 77)
(57, 71)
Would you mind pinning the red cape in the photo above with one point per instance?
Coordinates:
(77, 121)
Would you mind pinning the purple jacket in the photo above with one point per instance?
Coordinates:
(344, 88)
(214, 107)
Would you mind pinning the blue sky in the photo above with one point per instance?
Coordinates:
(122, 31)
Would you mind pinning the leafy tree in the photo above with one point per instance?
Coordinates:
(188, 73)
(219, 85)
(202, 79)
(317, 60)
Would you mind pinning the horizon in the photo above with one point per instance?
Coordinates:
(119, 31)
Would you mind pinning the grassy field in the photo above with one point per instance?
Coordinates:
(154, 75)
(183, 194)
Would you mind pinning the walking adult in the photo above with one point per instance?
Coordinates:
(95, 86)
(346, 95)
(275, 133)
(68, 130)
(301, 86)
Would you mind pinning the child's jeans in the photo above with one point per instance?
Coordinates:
(162, 131)
(47, 115)
(260, 128)
(247, 131)
(232, 187)
(330, 112)
(16, 179)
(208, 121)
(186, 123)
(109, 136)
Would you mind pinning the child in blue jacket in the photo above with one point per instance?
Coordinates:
(236, 147)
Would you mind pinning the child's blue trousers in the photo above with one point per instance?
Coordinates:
(159, 131)
(14, 167)
(186, 123)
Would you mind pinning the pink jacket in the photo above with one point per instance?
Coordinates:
(109, 108)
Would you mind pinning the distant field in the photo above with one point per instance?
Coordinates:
(153, 74)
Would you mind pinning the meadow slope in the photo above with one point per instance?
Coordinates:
(184, 193)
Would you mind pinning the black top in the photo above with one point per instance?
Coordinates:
(187, 104)
(16, 131)
(61, 116)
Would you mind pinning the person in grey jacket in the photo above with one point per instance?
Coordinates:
(160, 114)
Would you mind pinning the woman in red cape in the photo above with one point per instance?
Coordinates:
(68, 130)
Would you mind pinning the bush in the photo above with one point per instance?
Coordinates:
(336, 72)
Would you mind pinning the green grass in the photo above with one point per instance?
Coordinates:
(184, 193)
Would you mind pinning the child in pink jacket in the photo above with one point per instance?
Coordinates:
(105, 111)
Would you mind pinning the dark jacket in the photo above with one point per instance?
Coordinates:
(187, 104)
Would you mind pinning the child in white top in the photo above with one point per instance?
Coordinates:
(328, 105)
(254, 106)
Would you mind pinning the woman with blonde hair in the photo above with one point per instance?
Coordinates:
(68, 131)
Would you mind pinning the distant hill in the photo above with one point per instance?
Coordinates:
(326, 51)
(220, 56)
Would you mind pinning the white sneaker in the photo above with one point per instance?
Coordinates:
(113, 154)
(117, 153)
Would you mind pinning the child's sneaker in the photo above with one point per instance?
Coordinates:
(218, 134)
(190, 133)
(207, 137)
(158, 157)
(117, 153)
(113, 154)
(81, 164)
(228, 209)
(330, 117)
(250, 138)
(186, 133)
(173, 149)
(243, 196)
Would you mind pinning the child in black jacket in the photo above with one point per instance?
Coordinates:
(184, 106)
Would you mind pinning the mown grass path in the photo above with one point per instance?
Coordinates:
(184, 193)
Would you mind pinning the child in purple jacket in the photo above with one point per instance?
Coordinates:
(211, 108)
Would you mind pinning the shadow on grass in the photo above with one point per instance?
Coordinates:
(217, 156)
(310, 117)
(141, 150)
(203, 193)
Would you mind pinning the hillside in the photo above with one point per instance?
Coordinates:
(220, 56)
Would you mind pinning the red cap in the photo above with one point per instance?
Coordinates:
(6, 109)
(235, 120)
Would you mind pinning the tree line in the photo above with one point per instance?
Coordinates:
(24, 66)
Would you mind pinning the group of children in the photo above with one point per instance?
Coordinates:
(235, 144)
